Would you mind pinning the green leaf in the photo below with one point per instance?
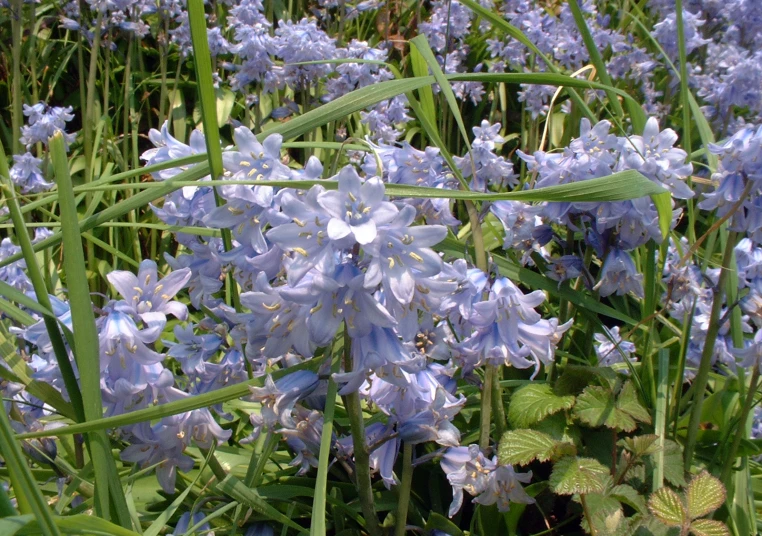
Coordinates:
(108, 490)
(606, 513)
(236, 490)
(533, 402)
(79, 525)
(642, 445)
(709, 527)
(673, 463)
(578, 475)
(704, 495)
(666, 506)
(440, 522)
(520, 447)
(627, 402)
(596, 407)
(12, 524)
(629, 496)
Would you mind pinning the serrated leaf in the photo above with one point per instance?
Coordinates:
(629, 496)
(666, 505)
(628, 402)
(596, 407)
(704, 495)
(606, 512)
(709, 527)
(521, 447)
(578, 475)
(673, 463)
(642, 445)
(533, 402)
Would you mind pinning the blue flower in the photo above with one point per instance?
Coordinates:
(43, 122)
(619, 275)
(148, 297)
(26, 174)
(356, 209)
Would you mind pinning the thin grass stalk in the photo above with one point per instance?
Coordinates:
(108, 490)
(41, 290)
(203, 63)
(28, 493)
(362, 456)
(702, 376)
(748, 404)
(17, 11)
(660, 418)
(406, 482)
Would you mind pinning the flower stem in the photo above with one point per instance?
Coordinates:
(702, 376)
(404, 490)
(362, 455)
(741, 428)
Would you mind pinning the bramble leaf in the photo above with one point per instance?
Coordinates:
(533, 402)
(704, 495)
(578, 475)
(709, 527)
(628, 402)
(521, 447)
(666, 505)
(642, 445)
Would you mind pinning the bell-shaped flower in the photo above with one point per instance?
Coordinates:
(401, 254)
(148, 297)
(435, 423)
(356, 209)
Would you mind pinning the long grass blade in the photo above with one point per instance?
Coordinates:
(108, 490)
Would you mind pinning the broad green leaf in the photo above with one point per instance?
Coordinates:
(709, 527)
(627, 402)
(667, 507)
(704, 495)
(629, 496)
(80, 525)
(596, 407)
(534, 402)
(236, 489)
(439, 522)
(578, 475)
(606, 513)
(673, 463)
(642, 445)
(520, 447)
(12, 524)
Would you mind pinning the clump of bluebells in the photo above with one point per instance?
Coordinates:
(342, 264)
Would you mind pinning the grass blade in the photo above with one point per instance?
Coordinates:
(108, 489)
(28, 494)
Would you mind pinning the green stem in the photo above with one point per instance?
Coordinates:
(741, 428)
(702, 376)
(17, 10)
(362, 455)
(404, 489)
(41, 290)
(485, 421)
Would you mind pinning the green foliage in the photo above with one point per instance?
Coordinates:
(524, 446)
(598, 406)
(572, 474)
(704, 495)
(532, 403)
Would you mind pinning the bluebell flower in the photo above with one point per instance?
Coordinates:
(356, 209)
(278, 399)
(186, 521)
(27, 175)
(401, 254)
(44, 121)
(14, 273)
(193, 351)
(619, 275)
(434, 423)
(148, 297)
(564, 268)
(301, 42)
(469, 470)
(611, 349)
(509, 330)
(303, 437)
